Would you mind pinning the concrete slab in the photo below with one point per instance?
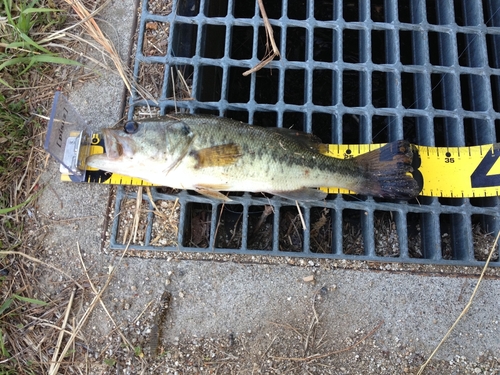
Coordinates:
(251, 300)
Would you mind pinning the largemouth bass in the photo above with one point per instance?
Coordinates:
(211, 154)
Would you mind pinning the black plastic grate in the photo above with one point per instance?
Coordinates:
(349, 72)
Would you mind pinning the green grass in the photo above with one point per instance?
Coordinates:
(23, 38)
(26, 51)
(23, 47)
(10, 309)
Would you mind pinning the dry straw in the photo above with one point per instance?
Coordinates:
(94, 31)
(270, 54)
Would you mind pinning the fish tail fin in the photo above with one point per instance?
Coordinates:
(387, 172)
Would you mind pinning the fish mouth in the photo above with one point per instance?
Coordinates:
(117, 145)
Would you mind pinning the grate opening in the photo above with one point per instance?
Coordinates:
(468, 46)
(216, 9)
(291, 232)
(339, 77)
(210, 34)
(323, 127)
(384, 128)
(381, 40)
(382, 86)
(138, 233)
(297, 9)
(412, 85)
(410, 41)
(295, 83)
(492, 45)
(260, 228)
(323, 85)
(477, 131)
(495, 92)
(350, 79)
(266, 86)
(242, 43)
(210, 83)
(407, 12)
(184, 39)
(151, 78)
(351, 11)
(229, 227)
(446, 133)
(454, 241)
(438, 12)
(444, 89)
(469, 83)
(154, 42)
(386, 233)
(296, 38)
(321, 230)
(439, 41)
(267, 119)
(325, 45)
(179, 82)
(483, 228)
(262, 47)
(354, 234)
(198, 225)
(187, 8)
(239, 86)
(327, 11)
(491, 15)
(416, 243)
(352, 46)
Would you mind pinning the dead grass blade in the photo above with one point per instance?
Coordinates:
(137, 214)
(61, 333)
(33, 259)
(97, 299)
(324, 355)
(311, 341)
(173, 85)
(94, 31)
(80, 324)
(464, 311)
(304, 227)
(124, 338)
(270, 54)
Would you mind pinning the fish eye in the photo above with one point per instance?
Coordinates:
(131, 127)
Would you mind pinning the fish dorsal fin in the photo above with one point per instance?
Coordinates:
(217, 156)
(304, 139)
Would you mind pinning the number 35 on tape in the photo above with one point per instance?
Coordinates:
(460, 171)
(453, 172)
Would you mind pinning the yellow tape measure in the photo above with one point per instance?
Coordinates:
(451, 172)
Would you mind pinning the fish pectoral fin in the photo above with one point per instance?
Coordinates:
(217, 156)
(303, 195)
(212, 192)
